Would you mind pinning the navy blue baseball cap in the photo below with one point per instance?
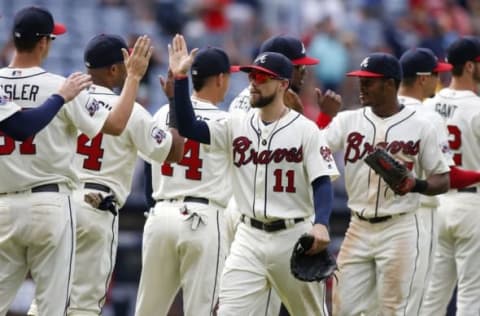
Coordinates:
(211, 61)
(104, 50)
(421, 61)
(31, 22)
(274, 64)
(464, 49)
(290, 47)
(379, 65)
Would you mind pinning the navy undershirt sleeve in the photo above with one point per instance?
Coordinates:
(188, 125)
(147, 171)
(28, 122)
(322, 199)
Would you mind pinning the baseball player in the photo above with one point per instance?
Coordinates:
(37, 220)
(378, 257)
(457, 254)
(420, 69)
(292, 48)
(279, 161)
(185, 229)
(105, 167)
(20, 125)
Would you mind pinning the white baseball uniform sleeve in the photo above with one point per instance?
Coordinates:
(46, 157)
(202, 172)
(441, 129)
(110, 160)
(273, 164)
(7, 107)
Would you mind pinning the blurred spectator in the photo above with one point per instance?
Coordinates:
(333, 56)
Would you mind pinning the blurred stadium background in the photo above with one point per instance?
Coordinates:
(338, 32)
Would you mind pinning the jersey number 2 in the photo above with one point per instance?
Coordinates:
(27, 147)
(455, 143)
(191, 159)
(93, 151)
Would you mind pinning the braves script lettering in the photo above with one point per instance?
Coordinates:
(243, 154)
(357, 148)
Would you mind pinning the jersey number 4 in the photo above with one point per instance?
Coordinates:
(455, 143)
(27, 147)
(191, 160)
(92, 150)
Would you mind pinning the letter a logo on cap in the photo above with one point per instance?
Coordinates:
(261, 59)
(364, 63)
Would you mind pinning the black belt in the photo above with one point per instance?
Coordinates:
(270, 226)
(379, 219)
(188, 199)
(51, 187)
(468, 190)
(97, 186)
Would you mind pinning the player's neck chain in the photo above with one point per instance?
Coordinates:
(267, 136)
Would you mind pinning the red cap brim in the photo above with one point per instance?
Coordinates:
(254, 67)
(234, 68)
(363, 73)
(59, 29)
(443, 67)
(307, 61)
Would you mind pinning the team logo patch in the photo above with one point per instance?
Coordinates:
(158, 134)
(16, 73)
(92, 106)
(326, 153)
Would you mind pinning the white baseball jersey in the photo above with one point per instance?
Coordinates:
(457, 254)
(463, 126)
(46, 157)
(439, 124)
(241, 101)
(272, 163)
(7, 107)
(110, 160)
(405, 135)
(202, 172)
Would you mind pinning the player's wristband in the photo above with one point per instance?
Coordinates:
(180, 77)
(420, 186)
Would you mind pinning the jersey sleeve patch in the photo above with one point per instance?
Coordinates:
(158, 134)
(92, 106)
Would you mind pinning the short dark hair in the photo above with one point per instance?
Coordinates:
(26, 44)
(409, 81)
(457, 70)
(199, 82)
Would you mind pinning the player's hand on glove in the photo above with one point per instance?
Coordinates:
(137, 62)
(179, 59)
(72, 86)
(168, 85)
(328, 102)
(317, 267)
(293, 101)
(321, 239)
(394, 173)
(406, 185)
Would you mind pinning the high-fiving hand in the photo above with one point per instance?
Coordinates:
(179, 59)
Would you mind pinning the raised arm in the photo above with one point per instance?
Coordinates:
(180, 62)
(136, 65)
(28, 122)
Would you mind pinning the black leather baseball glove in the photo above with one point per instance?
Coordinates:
(310, 268)
(395, 174)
